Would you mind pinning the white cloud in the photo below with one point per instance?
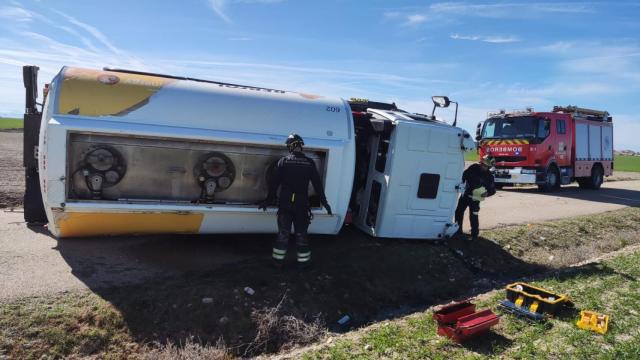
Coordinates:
(487, 39)
(447, 11)
(415, 19)
(219, 7)
(16, 13)
(97, 34)
(502, 10)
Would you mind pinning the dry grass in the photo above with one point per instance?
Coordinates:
(190, 350)
(276, 331)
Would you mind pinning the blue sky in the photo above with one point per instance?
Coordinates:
(486, 55)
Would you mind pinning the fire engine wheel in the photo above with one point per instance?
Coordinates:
(595, 180)
(551, 180)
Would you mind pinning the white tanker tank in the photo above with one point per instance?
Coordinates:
(123, 152)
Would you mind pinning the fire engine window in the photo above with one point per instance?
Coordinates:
(561, 127)
(428, 187)
(544, 127)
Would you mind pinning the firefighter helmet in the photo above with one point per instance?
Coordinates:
(488, 161)
(293, 141)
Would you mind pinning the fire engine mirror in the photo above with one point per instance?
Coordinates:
(441, 101)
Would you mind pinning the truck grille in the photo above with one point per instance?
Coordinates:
(510, 158)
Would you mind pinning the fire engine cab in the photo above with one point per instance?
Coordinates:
(549, 149)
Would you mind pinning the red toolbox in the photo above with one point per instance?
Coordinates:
(460, 321)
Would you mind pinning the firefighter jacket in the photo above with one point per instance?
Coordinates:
(293, 174)
(475, 177)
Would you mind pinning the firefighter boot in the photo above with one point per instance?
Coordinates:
(280, 249)
(304, 252)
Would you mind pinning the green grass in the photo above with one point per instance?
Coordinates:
(626, 163)
(610, 287)
(471, 155)
(11, 123)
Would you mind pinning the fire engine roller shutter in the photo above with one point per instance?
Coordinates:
(428, 187)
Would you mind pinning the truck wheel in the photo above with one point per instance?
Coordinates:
(552, 180)
(597, 177)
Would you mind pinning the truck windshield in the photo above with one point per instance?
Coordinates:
(510, 127)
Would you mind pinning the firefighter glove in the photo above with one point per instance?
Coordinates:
(479, 194)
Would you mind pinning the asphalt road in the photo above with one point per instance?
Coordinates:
(34, 263)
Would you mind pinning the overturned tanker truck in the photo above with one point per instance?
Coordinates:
(115, 152)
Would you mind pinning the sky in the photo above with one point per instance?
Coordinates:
(485, 55)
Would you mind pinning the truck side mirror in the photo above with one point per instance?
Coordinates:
(441, 101)
(478, 130)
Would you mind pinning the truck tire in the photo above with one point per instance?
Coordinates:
(552, 180)
(595, 180)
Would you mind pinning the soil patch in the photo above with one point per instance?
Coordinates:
(11, 170)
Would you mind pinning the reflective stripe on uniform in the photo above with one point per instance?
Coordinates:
(278, 256)
(304, 254)
(305, 259)
(279, 251)
(475, 212)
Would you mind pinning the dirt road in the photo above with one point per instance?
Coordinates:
(527, 205)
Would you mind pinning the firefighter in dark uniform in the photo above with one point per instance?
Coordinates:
(293, 174)
(479, 185)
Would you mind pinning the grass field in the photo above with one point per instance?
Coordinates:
(11, 123)
(626, 163)
(136, 320)
(610, 287)
(471, 156)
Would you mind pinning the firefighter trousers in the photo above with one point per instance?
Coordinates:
(474, 209)
(300, 222)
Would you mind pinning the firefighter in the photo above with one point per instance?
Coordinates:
(293, 174)
(479, 185)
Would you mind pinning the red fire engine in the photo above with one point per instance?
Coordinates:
(549, 148)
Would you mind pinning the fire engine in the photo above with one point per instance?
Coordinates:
(116, 151)
(549, 149)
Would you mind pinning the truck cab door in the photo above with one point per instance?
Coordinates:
(546, 149)
(562, 142)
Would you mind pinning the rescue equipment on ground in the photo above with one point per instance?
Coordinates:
(591, 320)
(460, 321)
(532, 302)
